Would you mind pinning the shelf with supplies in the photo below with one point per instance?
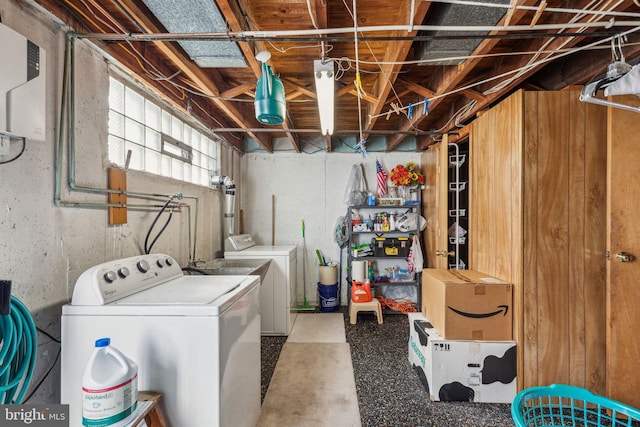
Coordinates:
(380, 239)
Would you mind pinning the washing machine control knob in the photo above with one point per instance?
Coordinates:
(169, 262)
(143, 266)
(110, 276)
(123, 272)
(160, 263)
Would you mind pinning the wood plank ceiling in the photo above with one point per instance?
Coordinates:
(535, 44)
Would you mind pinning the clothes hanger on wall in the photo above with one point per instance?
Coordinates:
(620, 79)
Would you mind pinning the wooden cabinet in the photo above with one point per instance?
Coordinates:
(623, 236)
(537, 218)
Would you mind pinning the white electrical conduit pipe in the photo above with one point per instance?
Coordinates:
(486, 55)
(536, 8)
(233, 36)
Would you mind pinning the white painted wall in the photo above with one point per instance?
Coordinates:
(307, 187)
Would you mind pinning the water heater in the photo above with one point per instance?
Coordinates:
(22, 86)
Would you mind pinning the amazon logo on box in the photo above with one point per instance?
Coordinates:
(467, 304)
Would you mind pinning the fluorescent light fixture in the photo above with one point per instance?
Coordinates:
(324, 75)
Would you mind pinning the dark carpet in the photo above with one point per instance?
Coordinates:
(389, 391)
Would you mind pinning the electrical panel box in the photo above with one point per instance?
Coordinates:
(22, 86)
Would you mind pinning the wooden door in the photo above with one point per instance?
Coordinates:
(537, 204)
(623, 236)
(434, 203)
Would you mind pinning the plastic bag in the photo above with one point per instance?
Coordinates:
(415, 261)
(355, 193)
(409, 221)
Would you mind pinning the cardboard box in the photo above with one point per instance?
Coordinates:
(467, 305)
(462, 371)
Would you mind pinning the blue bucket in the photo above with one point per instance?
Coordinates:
(328, 297)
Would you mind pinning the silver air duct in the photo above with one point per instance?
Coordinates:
(230, 191)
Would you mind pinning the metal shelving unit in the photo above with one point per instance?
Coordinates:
(395, 286)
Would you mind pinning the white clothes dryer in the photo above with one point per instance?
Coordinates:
(278, 291)
(196, 339)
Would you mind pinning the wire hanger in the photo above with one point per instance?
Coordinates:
(616, 71)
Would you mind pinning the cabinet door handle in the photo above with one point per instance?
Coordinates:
(624, 257)
(445, 253)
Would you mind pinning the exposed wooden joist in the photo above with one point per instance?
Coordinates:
(520, 62)
(396, 52)
(474, 95)
(453, 77)
(238, 90)
(414, 87)
(230, 13)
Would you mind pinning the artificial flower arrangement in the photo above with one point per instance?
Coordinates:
(409, 175)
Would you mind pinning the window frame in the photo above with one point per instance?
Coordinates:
(143, 122)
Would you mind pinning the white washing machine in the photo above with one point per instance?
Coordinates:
(196, 339)
(278, 296)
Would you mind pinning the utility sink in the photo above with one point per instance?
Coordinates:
(232, 267)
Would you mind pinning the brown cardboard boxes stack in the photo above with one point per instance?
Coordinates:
(467, 305)
(461, 344)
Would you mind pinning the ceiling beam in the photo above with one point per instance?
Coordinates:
(231, 13)
(73, 15)
(420, 90)
(396, 52)
(518, 63)
(454, 76)
(242, 89)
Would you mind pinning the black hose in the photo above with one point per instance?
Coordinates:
(24, 145)
(147, 247)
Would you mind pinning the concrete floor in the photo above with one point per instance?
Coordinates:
(389, 391)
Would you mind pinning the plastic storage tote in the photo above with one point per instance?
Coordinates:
(565, 405)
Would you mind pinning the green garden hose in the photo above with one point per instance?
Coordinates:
(18, 351)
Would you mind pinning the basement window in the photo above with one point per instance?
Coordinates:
(160, 142)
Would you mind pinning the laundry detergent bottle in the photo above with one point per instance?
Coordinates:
(109, 386)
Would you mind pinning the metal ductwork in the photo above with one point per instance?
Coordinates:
(441, 50)
(230, 195)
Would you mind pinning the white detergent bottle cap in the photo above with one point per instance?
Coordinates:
(103, 342)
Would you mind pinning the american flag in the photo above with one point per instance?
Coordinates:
(381, 175)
